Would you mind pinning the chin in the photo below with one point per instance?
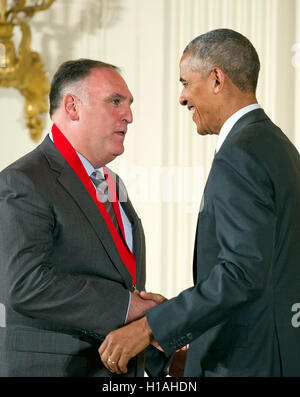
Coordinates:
(119, 151)
(202, 131)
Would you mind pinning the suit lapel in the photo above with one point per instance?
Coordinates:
(136, 233)
(251, 117)
(131, 215)
(138, 243)
(71, 183)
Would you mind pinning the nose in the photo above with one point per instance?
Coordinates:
(182, 100)
(128, 117)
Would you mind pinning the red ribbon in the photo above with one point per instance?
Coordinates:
(67, 151)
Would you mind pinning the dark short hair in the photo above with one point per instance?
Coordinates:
(71, 72)
(230, 51)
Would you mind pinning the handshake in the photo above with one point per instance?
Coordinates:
(124, 343)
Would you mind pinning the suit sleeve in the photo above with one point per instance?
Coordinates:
(38, 289)
(243, 206)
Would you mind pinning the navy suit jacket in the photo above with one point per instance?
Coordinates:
(237, 316)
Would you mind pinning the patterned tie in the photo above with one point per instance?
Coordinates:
(102, 189)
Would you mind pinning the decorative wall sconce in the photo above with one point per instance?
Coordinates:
(24, 70)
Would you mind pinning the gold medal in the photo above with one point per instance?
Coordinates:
(135, 291)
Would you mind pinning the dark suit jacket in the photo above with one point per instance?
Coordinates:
(62, 281)
(237, 317)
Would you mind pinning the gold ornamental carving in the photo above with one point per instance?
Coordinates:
(24, 69)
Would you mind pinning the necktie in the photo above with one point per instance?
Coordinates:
(102, 189)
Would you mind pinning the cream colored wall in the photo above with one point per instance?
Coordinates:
(165, 164)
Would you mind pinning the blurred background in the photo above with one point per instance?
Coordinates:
(165, 164)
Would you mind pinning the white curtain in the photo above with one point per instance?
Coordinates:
(166, 163)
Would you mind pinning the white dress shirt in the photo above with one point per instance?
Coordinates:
(229, 123)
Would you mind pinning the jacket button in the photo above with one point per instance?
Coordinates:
(189, 336)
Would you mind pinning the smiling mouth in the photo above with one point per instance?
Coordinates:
(191, 109)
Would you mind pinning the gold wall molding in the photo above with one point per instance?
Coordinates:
(24, 69)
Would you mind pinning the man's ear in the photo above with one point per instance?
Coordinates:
(71, 107)
(218, 78)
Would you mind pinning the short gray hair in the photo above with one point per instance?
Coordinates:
(230, 51)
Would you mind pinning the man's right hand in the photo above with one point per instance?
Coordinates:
(140, 303)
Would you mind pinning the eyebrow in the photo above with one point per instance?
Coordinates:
(182, 80)
(116, 95)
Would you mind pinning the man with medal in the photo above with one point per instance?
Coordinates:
(72, 246)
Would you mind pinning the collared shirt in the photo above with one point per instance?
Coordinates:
(229, 123)
(126, 223)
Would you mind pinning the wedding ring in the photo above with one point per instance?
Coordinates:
(110, 361)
